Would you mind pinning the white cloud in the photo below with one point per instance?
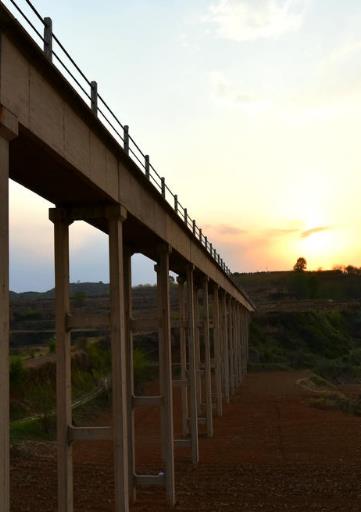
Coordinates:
(247, 20)
(233, 94)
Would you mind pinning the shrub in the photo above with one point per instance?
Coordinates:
(17, 372)
(52, 345)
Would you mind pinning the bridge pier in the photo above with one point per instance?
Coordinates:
(192, 368)
(65, 322)
(217, 350)
(165, 370)
(63, 363)
(207, 362)
(129, 370)
(226, 348)
(8, 132)
(118, 343)
(183, 354)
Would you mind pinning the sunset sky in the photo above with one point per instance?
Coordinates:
(251, 109)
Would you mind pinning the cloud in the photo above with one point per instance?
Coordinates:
(310, 232)
(223, 89)
(227, 229)
(249, 20)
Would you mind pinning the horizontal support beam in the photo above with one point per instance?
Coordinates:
(180, 383)
(151, 324)
(183, 443)
(79, 321)
(149, 480)
(89, 434)
(149, 401)
(72, 214)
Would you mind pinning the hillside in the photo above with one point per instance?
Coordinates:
(306, 320)
(265, 287)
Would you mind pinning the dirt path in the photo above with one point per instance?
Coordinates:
(271, 452)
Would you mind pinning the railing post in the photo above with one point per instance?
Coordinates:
(163, 187)
(126, 139)
(48, 38)
(147, 167)
(176, 203)
(200, 234)
(185, 217)
(94, 97)
(194, 227)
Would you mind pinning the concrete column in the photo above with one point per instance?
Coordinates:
(192, 375)
(235, 341)
(129, 370)
(63, 362)
(165, 370)
(207, 365)
(198, 349)
(231, 345)
(239, 343)
(247, 322)
(226, 348)
(8, 131)
(119, 373)
(217, 350)
(183, 353)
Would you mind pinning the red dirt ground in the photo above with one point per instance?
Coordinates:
(271, 452)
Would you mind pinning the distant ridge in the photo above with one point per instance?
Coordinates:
(99, 289)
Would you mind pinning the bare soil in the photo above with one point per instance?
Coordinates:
(270, 452)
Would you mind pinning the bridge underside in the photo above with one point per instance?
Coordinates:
(40, 169)
(51, 143)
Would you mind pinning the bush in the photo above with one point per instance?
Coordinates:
(52, 345)
(17, 372)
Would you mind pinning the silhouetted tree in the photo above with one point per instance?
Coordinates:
(300, 265)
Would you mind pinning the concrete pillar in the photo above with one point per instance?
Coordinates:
(129, 370)
(63, 361)
(231, 345)
(183, 353)
(239, 343)
(197, 349)
(8, 131)
(165, 370)
(118, 343)
(207, 354)
(192, 375)
(217, 350)
(247, 322)
(226, 348)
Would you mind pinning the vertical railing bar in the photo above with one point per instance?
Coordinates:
(48, 38)
(126, 139)
(94, 97)
(147, 167)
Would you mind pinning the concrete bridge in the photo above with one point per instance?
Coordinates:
(60, 139)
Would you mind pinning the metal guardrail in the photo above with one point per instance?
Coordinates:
(88, 91)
